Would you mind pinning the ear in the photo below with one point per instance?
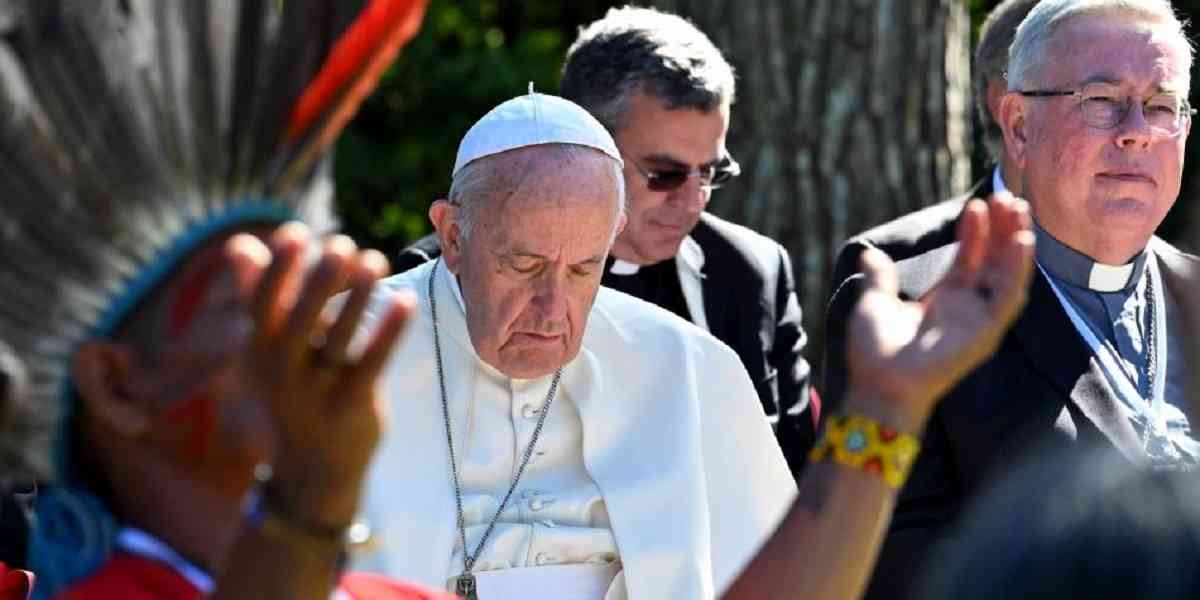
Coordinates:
(1014, 121)
(622, 221)
(102, 371)
(444, 217)
(996, 88)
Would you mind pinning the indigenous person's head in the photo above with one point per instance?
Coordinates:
(988, 79)
(137, 139)
(664, 90)
(1097, 117)
(536, 200)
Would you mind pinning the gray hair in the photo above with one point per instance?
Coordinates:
(991, 59)
(496, 174)
(1028, 53)
(641, 49)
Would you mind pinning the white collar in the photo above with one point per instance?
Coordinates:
(624, 267)
(1081, 270)
(452, 281)
(140, 543)
(690, 255)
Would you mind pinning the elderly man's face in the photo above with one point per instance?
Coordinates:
(531, 267)
(1102, 191)
(657, 140)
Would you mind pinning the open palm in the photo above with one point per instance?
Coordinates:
(911, 353)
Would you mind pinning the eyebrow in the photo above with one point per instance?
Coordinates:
(1114, 81)
(675, 162)
(592, 260)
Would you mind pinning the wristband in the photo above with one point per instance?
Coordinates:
(263, 514)
(862, 443)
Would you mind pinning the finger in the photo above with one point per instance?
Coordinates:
(972, 230)
(399, 313)
(367, 268)
(273, 297)
(1003, 223)
(880, 272)
(1016, 265)
(249, 259)
(324, 280)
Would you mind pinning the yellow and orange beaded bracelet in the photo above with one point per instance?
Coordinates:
(864, 444)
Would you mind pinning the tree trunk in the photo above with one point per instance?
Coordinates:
(849, 113)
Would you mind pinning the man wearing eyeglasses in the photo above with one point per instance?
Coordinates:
(1096, 117)
(664, 90)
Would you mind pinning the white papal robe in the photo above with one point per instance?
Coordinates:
(654, 416)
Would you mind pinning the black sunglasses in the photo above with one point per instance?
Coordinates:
(711, 176)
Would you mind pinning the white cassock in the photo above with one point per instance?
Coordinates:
(656, 475)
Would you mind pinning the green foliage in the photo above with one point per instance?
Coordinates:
(395, 158)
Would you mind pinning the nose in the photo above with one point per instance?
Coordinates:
(550, 295)
(693, 195)
(1134, 132)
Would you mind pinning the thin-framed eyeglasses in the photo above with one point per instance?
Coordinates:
(1105, 106)
(711, 176)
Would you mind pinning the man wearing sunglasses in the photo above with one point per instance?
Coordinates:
(1095, 118)
(664, 90)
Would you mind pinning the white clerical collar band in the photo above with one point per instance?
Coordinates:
(531, 120)
(1078, 269)
(623, 267)
(690, 254)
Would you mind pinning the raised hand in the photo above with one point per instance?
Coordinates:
(319, 391)
(903, 356)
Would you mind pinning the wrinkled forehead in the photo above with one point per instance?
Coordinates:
(1131, 51)
(556, 173)
(574, 201)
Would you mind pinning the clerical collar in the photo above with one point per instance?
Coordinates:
(690, 255)
(622, 267)
(1078, 269)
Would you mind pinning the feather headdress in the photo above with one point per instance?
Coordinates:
(133, 130)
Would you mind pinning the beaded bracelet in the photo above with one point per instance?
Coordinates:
(862, 443)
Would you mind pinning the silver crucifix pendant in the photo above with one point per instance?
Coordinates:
(464, 586)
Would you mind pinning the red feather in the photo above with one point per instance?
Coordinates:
(354, 66)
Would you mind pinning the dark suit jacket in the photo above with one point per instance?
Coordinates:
(1042, 389)
(750, 304)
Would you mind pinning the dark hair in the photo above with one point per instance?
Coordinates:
(1079, 525)
(633, 49)
(991, 59)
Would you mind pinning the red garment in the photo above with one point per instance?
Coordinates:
(15, 584)
(370, 586)
(130, 577)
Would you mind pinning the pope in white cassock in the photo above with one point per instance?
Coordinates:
(582, 443)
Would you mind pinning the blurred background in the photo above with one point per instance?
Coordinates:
(848, 114)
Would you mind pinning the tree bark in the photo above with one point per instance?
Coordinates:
(848, 113)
